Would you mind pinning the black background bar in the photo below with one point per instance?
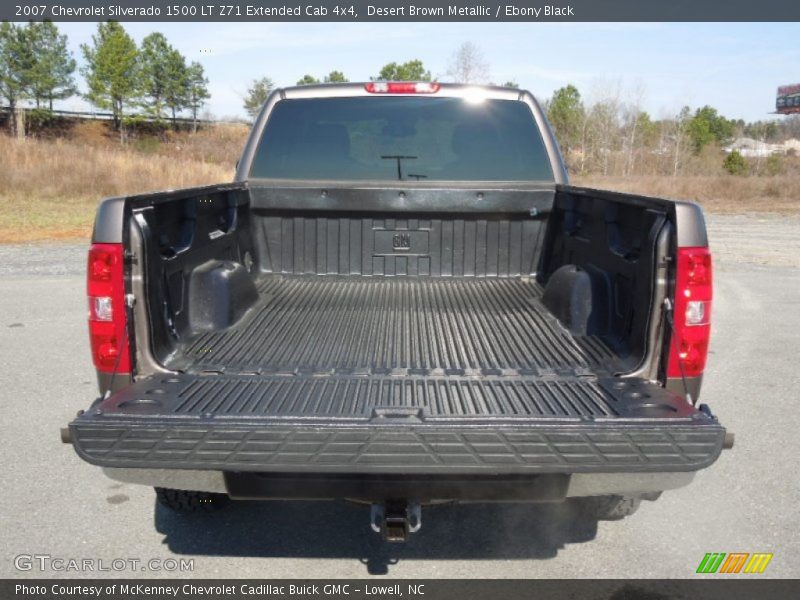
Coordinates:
(710, 587)
(401, 10)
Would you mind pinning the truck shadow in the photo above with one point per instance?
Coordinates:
(341, 530)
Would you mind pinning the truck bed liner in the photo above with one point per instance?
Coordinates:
(397, 326)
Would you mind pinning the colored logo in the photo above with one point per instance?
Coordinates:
(735, 562)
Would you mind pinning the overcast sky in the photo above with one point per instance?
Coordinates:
(733, 67)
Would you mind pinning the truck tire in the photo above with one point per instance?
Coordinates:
(610, 508)
(188, 501)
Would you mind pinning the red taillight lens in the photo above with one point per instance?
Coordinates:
(105, 287)
(402, 87)
(692, 315)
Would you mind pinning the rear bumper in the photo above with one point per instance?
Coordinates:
(533, 488)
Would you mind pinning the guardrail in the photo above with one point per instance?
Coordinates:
(104, 116)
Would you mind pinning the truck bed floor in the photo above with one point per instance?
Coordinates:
(397, 326)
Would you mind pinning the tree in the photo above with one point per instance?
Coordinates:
(634, 119)
(332, 77)
(642, 134)
(467, 65)
(511, 84)
(156, 73)
(16, 62)
(680, 138)
(336, 77)
(197, 90)
(700, 133)
(307, 80)
(761, 131)
(111, 70)
(412, 70)
(735, 163)
(604, 130)
(566, 113)
(257, 94)
(707, 126)
(52, 64)
(176, 92)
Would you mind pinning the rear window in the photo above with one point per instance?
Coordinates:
(408, 138)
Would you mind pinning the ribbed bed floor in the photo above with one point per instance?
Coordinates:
(397, 326)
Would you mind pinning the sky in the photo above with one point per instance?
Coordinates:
(735, 67)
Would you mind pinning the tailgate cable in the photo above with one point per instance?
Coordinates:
(668, 309)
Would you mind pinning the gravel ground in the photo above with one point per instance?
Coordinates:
(755, 239)
(42, 259)
(747, 502)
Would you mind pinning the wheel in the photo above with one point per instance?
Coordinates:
(188, 501)
(610, 508)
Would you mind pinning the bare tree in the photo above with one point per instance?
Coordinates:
(603, 127)
(467, 65)
(631, 116)
(680, 141)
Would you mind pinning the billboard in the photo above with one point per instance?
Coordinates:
(788, 101)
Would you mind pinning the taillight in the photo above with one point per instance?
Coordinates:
(105, 289)
(692, 315)
(402, 87)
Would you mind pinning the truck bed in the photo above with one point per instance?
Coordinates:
(332, 374)
(330, 325)
(330, 341)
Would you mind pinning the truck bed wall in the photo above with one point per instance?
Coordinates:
(204, 253)
(385, 245)
(612, 242)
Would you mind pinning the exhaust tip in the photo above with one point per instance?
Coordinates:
(66, 436)
(729, 439)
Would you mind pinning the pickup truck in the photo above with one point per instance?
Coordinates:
(400, 300)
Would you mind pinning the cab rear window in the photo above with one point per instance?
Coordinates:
(407, 138)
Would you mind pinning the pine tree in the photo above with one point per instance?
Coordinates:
(412, 70)
(256, 95)
(16, 62)
(566, 113)
(197, 87)
(155, 73)
(53, 64)
(735, 163)
(112, 69)
(336, 77)
(176, 93)
(307, 80)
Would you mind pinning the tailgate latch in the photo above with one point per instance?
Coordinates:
(397, 413)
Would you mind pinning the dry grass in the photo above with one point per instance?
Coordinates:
(50, 189)
(220, 145)
(717, 193)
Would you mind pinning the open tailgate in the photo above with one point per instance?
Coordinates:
(346, 423)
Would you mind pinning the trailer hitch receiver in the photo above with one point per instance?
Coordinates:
(395, 520)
